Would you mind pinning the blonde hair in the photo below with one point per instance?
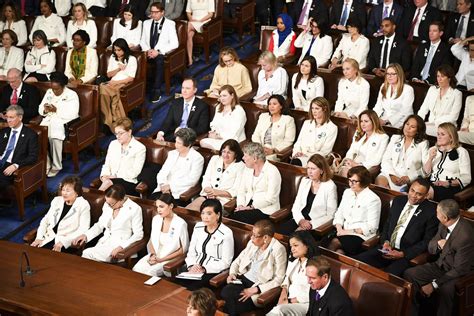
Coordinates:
(452, 132)
(354, 64)
(400, 83)
(84, 9)
(268, 57)
(227, 51)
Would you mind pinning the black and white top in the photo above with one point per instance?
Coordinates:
(452, 165)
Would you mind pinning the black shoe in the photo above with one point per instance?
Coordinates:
(155, 98)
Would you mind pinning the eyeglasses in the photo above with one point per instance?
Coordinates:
(113, 204)
(118, 134)
(255, 236)
(156, 11)
(352, 181)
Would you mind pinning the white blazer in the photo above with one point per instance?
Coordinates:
(37, 57)
(352, 96)
(231, 125)
(445, 169)
(264, 193)
(315, 140)
(131, 36)
(324, 204)
(168, 37)
(89, 26)
(441, 110)
(126, 165)
(19, 27)
(393, 109)
(284, 48)
(313, 88)
(92, 65)
(283, 131)
(75, 223)
(15, 59)
(276, 84)
(357, 50)
(321, 49)
(465, 74)
(359, 211)
(180, 174)
(178, 235)
(299, 287)
(368, 151)
(53, 26)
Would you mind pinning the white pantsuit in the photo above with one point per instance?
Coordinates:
(91, 69)
(315, 140)
(15, 59)
(53, 26)
(368, 151)
(312, 89)
(321, 49)
(393, 109)
(19, 27)
(358, 49)
(277, 83)
(468, 122)
(88, 25)
(352, 96)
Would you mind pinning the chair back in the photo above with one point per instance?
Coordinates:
(104, 30)
(265, 36)
(61, 55)
(252, 112)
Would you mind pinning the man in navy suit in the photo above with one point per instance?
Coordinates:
(345, 10)
(387, 9)
(315, 9)
(460, 25)
(410, 226)
(417, 19)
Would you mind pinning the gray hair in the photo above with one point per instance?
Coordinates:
(17, 109)
(16, 71)
(255, 150)
(450, 208)
(187, 135)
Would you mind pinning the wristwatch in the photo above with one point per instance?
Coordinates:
(450, 183)
(434, 284)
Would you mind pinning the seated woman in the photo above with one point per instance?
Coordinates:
(306, 84)
(316, 201)
(212, 246)
(258, 195)
(202, 302)
(272, 79)
(318, 134)
(81, 21)
(395, 100)
(124, 160)
(82, 63)
(353, 91)
(198, 12)
(40, 61)
(259, 267)
(10, 56)
(168, 239)
(11, 20)
(315, 42)
(121, 224)
(294, 296)
(368, 144)
(68, 217)
(405, 156)
(275, 129)
(282, 42)
(448, 164)
(121, 70)
(59, 106)
(230, 72)
(466, 132)
(50, 23)
(228, 122)
(128, 27)
(352, 45)
(222, 178)
(358, 215)
(182, 168)
(443, 102)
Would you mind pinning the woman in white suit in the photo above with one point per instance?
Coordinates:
(50, 23)
(40, 61)
(395, 100)
(352, 45)
(168, 239)
(405, 155)
(128, 27)
(314, 41)
(275, 129)
(316, 201)
(306, 84)
(443, 102)
(10, 56)
(318, 134)
(67, 218)
(272, 79)
(121, 223)
(11, 20)
(80, 21)
(124, 160)
(82, 63)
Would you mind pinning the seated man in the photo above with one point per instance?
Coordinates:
(388, 8)
(410, 226)
(416, 20)
(460, 24)
(82, 62)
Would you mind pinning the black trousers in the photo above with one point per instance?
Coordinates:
(193, 285)
(374, 258)
(159, 72)
(128, 186)
(249, 217)
(442, 193)
(5, 180)
(231, 294)
(287, 228)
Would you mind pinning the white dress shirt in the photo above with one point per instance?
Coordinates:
(404, 225)
(389, 48)
(18, 130)
(129, 72)
(393, 109)
(421, 17)
(277, 83)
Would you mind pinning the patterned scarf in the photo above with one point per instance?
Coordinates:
(78, 62)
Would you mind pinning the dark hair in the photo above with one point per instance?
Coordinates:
(234, 146)
(354, 23)
(123, 45)
(131, 9)
(216, 206)
(116, 192)
(323, 27)
(195, 83)
(59, 77)
(450, 208)
(166, 198)
(362, 173)
(50, 5)
(439, 24)
(16, 16)
(420, 128)
(448, 71)
(313, 73)
(423, 182)
(204, 300)
(83, 35)
(320, 263)
(265, 227)
(187, 135)
(307, 239)
(41, 35)
(12, 34)
(322, 164)
(391, 20)
(157, 5)
(74, 181)
(281, 100)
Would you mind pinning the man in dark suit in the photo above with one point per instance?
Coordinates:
(187, 111)
(417, 19)
(116, 7)
(410, 226)
(18, 146)
(317, 10)
(460, 25)
(345, 10)
(326, 297)
(388, 49)
(387, 9)
(454, 246)
(20, 93)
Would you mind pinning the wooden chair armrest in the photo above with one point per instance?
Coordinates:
(96, 183)
(173, 266)
(282, 214)
(231, 205)
(201, 137)
(248, 96)
(464, 196)
(211, 22)
(420, 259)
(30, 236)
(190, 193)
(324, 229)
(463, 282)
(219, 279)
(371, 242)
(142, 188)
(132, 249)
(269, 297)
(36, 120)
(284, 154)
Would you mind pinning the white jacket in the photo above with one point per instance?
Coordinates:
(178, 235)
(299, 287)
(283, 131)
(357, 50)
(89, 26)
(315, 140)
(92, 65)
(19, 27)
(321, 49)
(52, 25)
(284, 48)
(395, 110)
(15, 59)
(370, 153)
(37, 57)
(132, 37)
(277, 83)
(445, 169)
(441, 110)
(352, 96)
(465, 75)
(313, 88)
(168, 37)
(231, 125)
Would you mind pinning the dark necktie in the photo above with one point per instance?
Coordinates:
(154, 34)
(10, 148)
(383, 62)
(460, 27)
(308, 52)
(122, 6)
(413, 24)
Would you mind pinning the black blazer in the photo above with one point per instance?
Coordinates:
(375, 18)
(198, 118)
(452, 25)
(400, 52)
(28, 98)
(334, 302)
(26, 149)
(431, 14)
(140, 6)
(357, 12)
(421, 228)
(318, 11)
(442, 56)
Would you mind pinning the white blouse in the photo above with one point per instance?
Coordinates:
(306, 91)
(357, 50)
(352, 96)
(368, 151)
(276, 84)
(88, 26)
(129, 72)
(393, 109)
(131, 36)
(19, 27)
(52, 25)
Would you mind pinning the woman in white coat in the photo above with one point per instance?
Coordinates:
(80, 21)
(443, 102)
(82, 63)
(128, 27)
(395, 100)
(228, 122)
(306, 84)
(352, 45)
(168, 239)
(318, 134)
(50, 23)
(282, 42)
(121, 223)
(40, 61)
(11, 20)
(272, 79)
(10, 56)
(314, 42)
(67, 218)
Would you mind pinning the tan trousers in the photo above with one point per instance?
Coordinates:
(111, 106)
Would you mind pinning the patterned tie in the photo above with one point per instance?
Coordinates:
(10, 148)
(403, 218)
(345, 14)
(184, 118)
(303, 13)
(385, 12)
(425, 73)
(14, 99)
(413, 24)
(23, 7)
(460, 27)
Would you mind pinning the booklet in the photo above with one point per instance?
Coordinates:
(190, 276)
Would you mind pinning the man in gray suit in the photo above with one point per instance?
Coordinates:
(173, 8)
(454, 245)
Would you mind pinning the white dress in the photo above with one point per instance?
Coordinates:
(199, 9)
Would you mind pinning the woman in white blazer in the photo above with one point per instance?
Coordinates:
(80, 21)
(259, 267)
(272, 79)
(306, 84)
(318, 134)
(358, 215)
(121, 223)
(124, 160)
(316, 200)
(314, 41)
(405, 156)
(10, 56)
(443, 102)
(81, 69)
(67, 218)
(259, 191)
(395, 100)
(168, 239)
(275, 129)
(50, 23)
(352, 45)
(182, 168)
(282, 42)
(40, 61)
(11, 20)
(228, 122)
(128, 27)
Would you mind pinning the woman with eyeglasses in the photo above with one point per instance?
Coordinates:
(124, 160)
(82, 62)
(10, 55)
(306, 84)
(121, 224)
(11, 20)
(352, 45)
(129, 27)
(314, 41)
(80, 21)
(50, 23)
(40, 61)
